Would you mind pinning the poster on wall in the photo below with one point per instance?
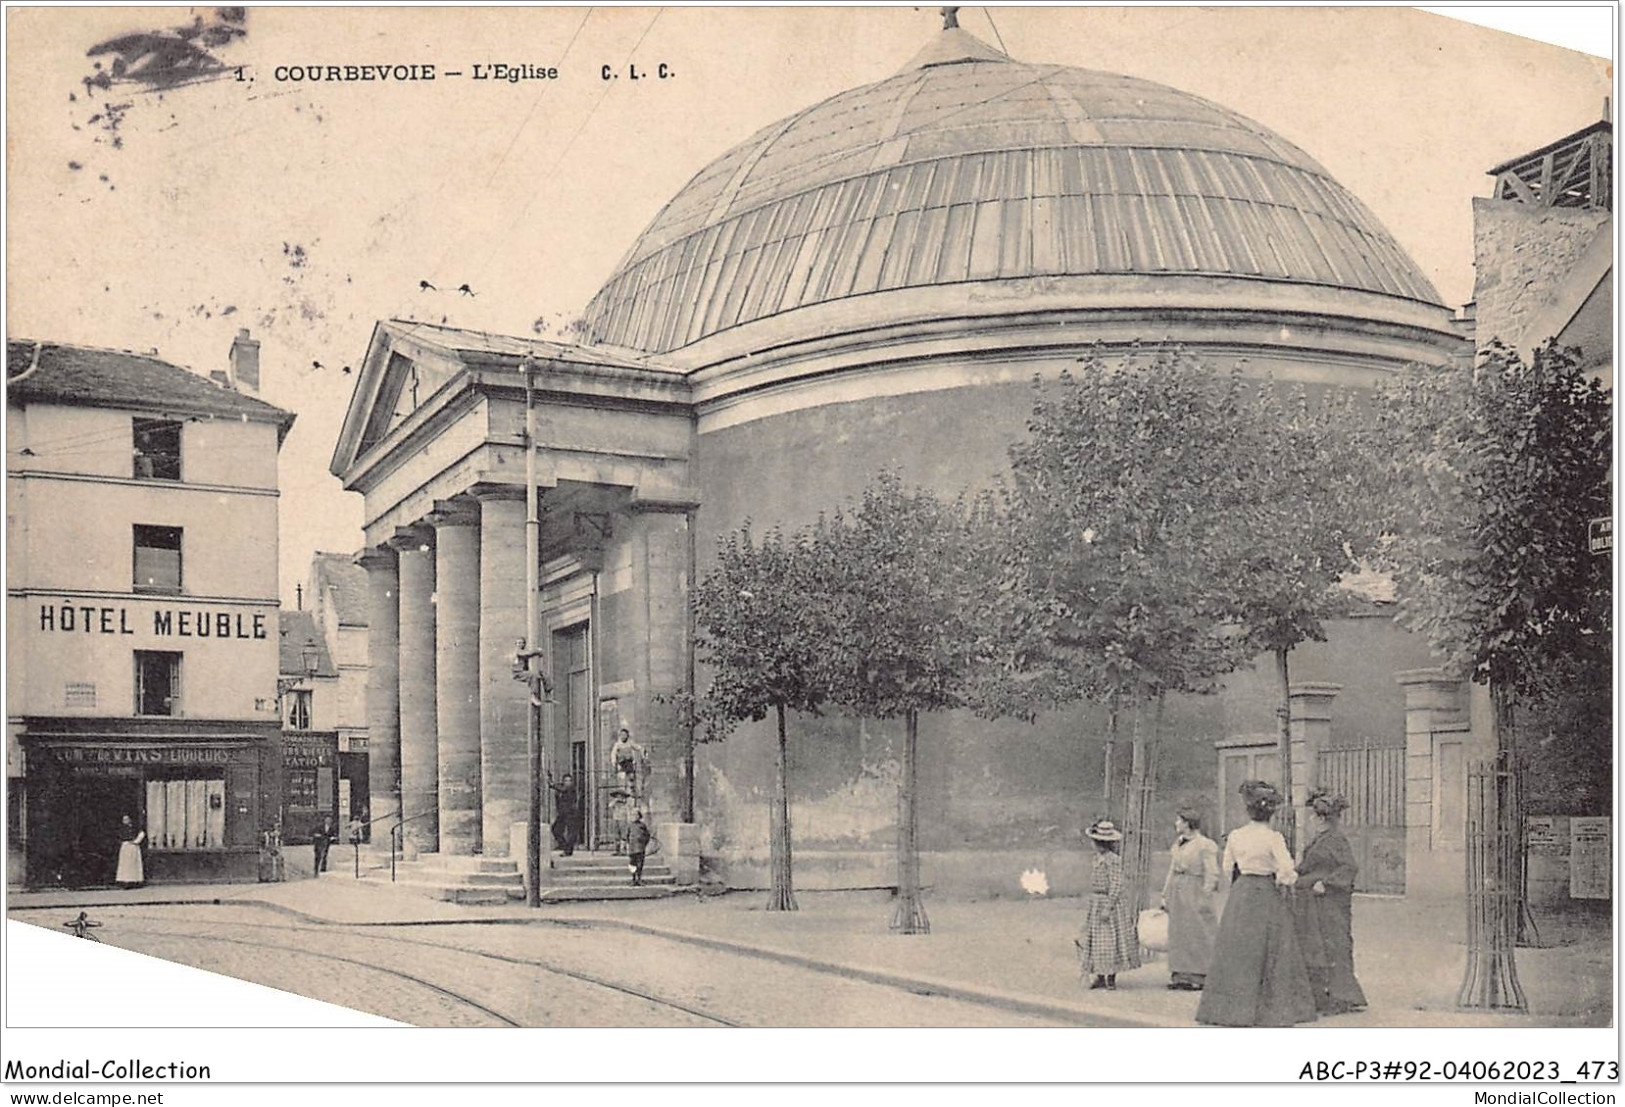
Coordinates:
(1590, 857)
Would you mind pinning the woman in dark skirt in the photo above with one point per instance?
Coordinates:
(1258, 976)
(1324, 907)
(1108, 943)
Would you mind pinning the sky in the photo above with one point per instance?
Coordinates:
(144, 217)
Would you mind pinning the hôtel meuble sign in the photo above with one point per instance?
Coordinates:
(161, 622)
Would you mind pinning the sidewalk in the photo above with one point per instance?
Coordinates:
(1015, 954)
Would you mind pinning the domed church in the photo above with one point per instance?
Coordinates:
(871, 283)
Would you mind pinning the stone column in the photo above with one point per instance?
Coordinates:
(659, 541)
(420, 772)
(1310, 721)
(383, 687)
(457, 672)
(1432, 701)
(504, 701)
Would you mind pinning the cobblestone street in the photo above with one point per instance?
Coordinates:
(563, 975)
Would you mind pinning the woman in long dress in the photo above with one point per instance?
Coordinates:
(1108, 943)
(1258, 976)
(1187, 896)
(1324, 907)
(130, 873)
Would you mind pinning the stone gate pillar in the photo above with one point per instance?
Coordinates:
(504, 701)
(383, 687)
(457, 673)
(1310, 722)
(420, 760)
(1433, 703)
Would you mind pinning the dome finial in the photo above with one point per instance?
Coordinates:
(954, 44)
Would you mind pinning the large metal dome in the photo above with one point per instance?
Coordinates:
(970, 167)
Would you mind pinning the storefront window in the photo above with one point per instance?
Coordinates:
(186, 814)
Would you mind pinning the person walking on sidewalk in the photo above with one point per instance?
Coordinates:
(321, 840)
(1187, 896)
(637, 845)
(1108, 944)
(1325, 913)
(1258, 976)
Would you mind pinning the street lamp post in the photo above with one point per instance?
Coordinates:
(529, 660)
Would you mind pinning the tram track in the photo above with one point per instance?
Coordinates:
(369, 936)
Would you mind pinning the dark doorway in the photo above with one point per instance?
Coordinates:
(89, 812)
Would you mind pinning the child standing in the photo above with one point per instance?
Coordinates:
(637, 844)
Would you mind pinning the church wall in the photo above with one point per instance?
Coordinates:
(1000, 790)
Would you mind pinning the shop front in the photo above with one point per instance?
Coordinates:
(206, 793)
(310, 793)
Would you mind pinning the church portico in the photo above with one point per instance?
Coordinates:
(446, 523)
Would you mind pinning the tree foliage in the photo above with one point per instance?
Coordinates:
(1128, 512)
(1306, 524)
(1495, 471)
(763, 617)
(907, 572)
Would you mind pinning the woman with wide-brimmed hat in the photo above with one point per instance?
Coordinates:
(1108, 944)
(1324, 908)
(1258, 976)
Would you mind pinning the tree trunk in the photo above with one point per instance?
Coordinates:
(1106, 772)
(1494, 872)
(781, 896)
(909, 918)
(1288, 822)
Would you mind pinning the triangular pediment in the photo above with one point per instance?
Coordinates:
(404, 371)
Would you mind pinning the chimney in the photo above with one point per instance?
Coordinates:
(244, 373)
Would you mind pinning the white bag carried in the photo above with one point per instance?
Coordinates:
(1153, 929)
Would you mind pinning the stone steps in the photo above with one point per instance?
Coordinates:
(560, 893)
(471, 880)
(477, 880)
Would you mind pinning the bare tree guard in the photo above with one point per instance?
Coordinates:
(1494, 877)
(1139, 833)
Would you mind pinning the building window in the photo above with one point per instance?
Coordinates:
(157, 559)
(298, 710)
(157, 682)
(157, 449)
(186, 813)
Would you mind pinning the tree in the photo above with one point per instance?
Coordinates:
(1307, 480)
(909, 592)
(1125, 510)
(1496, 470)
(763, 624)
